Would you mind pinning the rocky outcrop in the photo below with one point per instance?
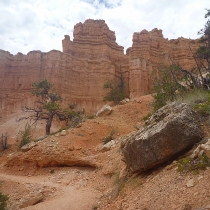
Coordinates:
(86, 63)
(93, 40)
(150, 50)
(169, 131)
(155, 49)
(51, 152)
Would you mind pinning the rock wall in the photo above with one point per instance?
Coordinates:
(86, 63)
(149, 50)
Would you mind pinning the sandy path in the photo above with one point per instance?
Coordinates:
(71, 199)
(72, 191)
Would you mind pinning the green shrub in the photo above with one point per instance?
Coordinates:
(194, 96)
(145, 118)
(187, 164)
(90, 116)
(3, 201)
(72, 116)
(109, 137)
(165, 85)
(203, 108)
(25, 135)
(117, 91)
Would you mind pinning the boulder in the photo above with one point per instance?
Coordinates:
(28, 146)
(171, 130)
(31, 199)
(104, 111)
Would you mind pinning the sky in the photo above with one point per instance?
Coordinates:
(27, 25)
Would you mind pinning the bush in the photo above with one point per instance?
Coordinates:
(3, 201)
(187, 164)
(72, 116)
(25, 135)
(203, 108)
(194, 96)
(145, 118)
(117, 91)
(90, 116)
(109, 137)
(166, 85)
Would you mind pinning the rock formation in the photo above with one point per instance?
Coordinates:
(86, 63)
(163, 138)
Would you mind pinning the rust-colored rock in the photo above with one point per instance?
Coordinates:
(51, 152)
(86, 63)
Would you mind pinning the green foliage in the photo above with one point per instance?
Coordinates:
(25, 135)
(49, 96)
(166, 85)
(109, 137)
(72, 115)
(3, 201)
(194, 96)
(202, 55)
(90, 116)
(48, 104)
(145, 118)
(203, 109)
(42, 88)
(117, 91)
(51, 106)
(187, 164)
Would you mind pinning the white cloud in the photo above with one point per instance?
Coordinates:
(27, 25)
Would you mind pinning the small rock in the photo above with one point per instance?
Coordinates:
(201, 153)
(190, 183)
(30, 199)
(57, 134)
(107, 146)
(206, 148)
(28, 146)
(63, 133)
(200, 177)
(124, 101)
(104, 111)
(72, 148)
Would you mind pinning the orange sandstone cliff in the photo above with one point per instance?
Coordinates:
(86, 63)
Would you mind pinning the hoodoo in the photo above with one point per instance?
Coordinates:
(87, 62)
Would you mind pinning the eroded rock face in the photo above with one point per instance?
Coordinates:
(169, 131)
(51, 152)
(86, 63)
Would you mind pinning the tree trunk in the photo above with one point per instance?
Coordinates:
(49, 123)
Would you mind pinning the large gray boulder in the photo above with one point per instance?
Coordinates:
(169, 131)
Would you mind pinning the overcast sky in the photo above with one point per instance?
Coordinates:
(27, 25)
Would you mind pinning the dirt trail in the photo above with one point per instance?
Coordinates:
(70, 187)
(71, 198)
(42, 180)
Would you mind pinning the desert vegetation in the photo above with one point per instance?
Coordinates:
(117, 90)
(173, 83)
